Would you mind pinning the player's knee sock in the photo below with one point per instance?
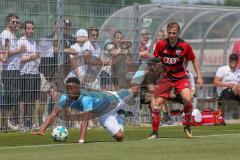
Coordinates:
(121, 121)
(187, 113)
(155, 120)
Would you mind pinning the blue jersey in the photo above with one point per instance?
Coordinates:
(97, 102)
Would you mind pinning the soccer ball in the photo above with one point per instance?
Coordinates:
(60, 134)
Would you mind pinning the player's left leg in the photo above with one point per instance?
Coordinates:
(183, 89)
(186, 96)
(113, 123)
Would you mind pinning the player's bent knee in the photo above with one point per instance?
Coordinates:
(188, 100)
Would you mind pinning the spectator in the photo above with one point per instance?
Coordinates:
(29, 74)
(77, 64)
(121, 56)
(162, 34)
(67, 33)
(93, 34)
(68, 40)
(227, 79)
(175, 53)
(49, 58)
(11, 70)
(84, 60)
(145, 44)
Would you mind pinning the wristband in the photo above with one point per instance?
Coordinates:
(81, 141)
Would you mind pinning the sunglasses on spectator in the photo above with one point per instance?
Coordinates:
(16, 22)
(172, 33)
(94, 35)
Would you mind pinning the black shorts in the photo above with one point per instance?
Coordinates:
(48, 67)
(228, 94)
(30, 87)
(10, 80)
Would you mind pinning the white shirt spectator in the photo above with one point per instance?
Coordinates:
(94, 49)
(86, 69)
(228, 76)
(46, 47)
(79, 50)
(30, 67)
(13, 62)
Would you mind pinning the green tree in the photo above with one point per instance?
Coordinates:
(235, 3)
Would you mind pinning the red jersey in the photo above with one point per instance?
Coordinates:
(174, 59)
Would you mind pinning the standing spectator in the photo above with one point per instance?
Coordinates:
(91, 47)
(162, 34)
(11, 70)
(84, 60)
(175, 53)
(93, 34)
(121, 56)
(76, 61)
(145, 44)
(67, 33)
(227, 79)
(29, 73)
(68, 40)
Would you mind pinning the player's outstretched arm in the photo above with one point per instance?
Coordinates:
(50, 119)
(83, 127)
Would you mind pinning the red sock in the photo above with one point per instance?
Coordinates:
(187, 113)
(155, 120)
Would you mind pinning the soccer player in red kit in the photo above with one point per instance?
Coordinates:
(174, 54)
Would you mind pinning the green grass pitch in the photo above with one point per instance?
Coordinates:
(209, 143)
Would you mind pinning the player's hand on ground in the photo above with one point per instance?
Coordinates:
(37, 133)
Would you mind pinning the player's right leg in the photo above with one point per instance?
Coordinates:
(155, 108)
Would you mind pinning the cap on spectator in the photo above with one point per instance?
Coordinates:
(233, 56)
(67, 22)
(145, 32)
(81, 32)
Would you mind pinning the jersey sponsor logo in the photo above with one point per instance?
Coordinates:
(178, 52)
(186, 85)
(168, 60)
(165, 51)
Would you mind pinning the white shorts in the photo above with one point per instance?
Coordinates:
(110, 123)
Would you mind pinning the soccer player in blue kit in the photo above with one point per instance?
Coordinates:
(102, 104)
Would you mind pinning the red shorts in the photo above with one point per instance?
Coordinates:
(165, 86)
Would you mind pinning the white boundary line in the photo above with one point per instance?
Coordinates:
(68, 144)
(218, 135)
(38, 146)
